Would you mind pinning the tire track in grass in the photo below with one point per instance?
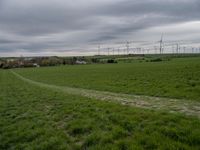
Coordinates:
(186, 107)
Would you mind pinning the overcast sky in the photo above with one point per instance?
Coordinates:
(75, 27)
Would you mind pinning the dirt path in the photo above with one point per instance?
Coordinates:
(171, 105)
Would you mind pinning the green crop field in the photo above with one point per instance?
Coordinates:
(136, 105)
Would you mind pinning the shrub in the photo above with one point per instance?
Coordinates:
(111, 61)
(156, 60)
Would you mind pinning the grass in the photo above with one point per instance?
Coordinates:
(177, 78)
(32, 117)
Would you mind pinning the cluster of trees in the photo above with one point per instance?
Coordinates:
(14, 64)
(29, 62)
(75, 60)
(1, 64)
(49, 61)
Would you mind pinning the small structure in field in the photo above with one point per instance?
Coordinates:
(80, 62)
(36, 65)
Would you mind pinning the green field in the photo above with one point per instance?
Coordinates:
(40, 115)
(178, 78)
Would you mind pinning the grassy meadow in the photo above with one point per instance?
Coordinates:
(177, 78)
(38, 118)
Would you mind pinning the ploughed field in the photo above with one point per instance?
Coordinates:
(35, 113)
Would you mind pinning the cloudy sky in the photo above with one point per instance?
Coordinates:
(75, 27)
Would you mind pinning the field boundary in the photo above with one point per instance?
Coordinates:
(186, 107)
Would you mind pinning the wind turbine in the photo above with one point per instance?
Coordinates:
(177, 48)
(108, 51)
(161, 44)
(99, 48)
(127, 47)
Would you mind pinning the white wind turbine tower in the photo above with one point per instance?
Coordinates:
(99, 49)
(161, 44)
(108, 51)
(127, 47)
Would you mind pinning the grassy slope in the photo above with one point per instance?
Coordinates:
(39, 118)
(178, 78)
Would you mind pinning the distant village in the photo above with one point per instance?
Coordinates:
(23, 62)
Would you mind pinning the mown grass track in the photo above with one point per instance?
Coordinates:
(166, 104)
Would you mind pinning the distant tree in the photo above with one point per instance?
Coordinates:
(95, 60)
(44, 62)
(64, 62)
(111, 61)
(1, 65)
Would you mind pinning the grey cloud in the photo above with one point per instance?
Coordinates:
(7, 41)
(167, 7)
(144, 14)
(69, 24)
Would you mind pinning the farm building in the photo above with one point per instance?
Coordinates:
(81, 62)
